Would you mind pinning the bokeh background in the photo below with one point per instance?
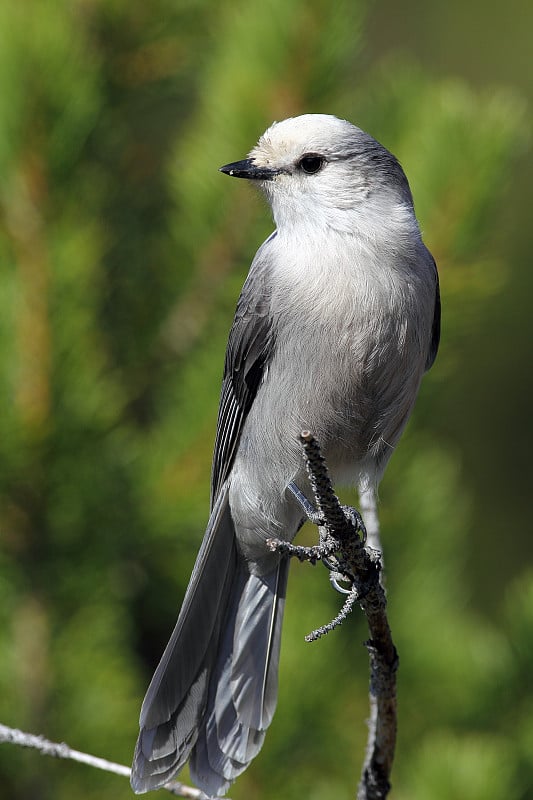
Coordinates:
(122, 252)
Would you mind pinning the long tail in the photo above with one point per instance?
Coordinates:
(214, 692)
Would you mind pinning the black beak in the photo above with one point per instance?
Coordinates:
(247, 169)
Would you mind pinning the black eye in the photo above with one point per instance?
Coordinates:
(311, 163)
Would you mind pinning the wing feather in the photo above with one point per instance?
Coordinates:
(435, 331)
(249, 349)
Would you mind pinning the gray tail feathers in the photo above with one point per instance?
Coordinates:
(214, 692)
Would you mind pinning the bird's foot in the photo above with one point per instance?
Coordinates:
(336, 550)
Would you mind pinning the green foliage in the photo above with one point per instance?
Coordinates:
(120, 267)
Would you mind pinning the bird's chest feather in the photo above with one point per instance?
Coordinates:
(351, 341)
(361, 310)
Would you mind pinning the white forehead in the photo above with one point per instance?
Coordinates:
(308, 133)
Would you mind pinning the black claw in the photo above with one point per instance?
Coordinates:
(331, 564)
(353, 515)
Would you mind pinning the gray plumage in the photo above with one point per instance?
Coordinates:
(336, 323)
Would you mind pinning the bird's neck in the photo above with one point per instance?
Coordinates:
(375, 229)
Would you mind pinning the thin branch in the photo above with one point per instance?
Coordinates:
(341, 548)
(62, 750)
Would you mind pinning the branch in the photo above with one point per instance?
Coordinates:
(62, 750)
(341, 548)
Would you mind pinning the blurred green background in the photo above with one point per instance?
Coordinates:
(122, 252)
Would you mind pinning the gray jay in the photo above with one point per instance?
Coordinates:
(337, 322)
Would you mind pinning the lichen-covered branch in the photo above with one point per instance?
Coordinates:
(341, 548)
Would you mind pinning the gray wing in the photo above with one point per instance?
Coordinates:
(435, 330)
(249, 349)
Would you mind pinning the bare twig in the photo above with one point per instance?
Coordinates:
(62, 750)
(351, 599)
(342, 533)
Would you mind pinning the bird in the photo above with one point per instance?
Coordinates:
(336, 324)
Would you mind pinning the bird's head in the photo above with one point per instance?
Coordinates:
(317, 170)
